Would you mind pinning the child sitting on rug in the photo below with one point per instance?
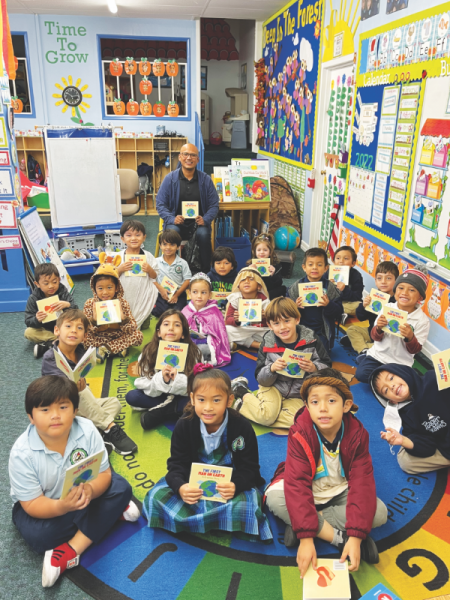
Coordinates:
(250, 286)
(114, 338)
(414, 403)
(140, 292)
(326, 487)
(263, 246)
(351, 294)
(55, 440)
(205, 319)
(278, 398)
(210, 432)
(223, 273)
(163, 394)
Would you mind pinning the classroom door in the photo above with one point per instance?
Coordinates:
(334, 114)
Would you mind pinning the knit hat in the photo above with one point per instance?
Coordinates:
(329, 377)
(417, 277)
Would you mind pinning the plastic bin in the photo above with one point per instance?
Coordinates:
(239, 135)
(40, 201)
(241, 247)
(112, 236)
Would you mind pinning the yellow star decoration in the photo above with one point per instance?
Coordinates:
(66, 83)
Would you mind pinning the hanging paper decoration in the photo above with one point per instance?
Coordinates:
(118, 107)
(173, 109)
(130, 66)
(172, 68)
(158, 67)
(16, 104)
(132, 107)
(115, 67)
(145, 86)
(146, 108)
(145, 68)
(159, 110)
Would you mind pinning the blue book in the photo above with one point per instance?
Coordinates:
(380, 592)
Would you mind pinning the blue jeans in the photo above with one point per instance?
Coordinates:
(366, 366)
(203, 238)
(139, 399)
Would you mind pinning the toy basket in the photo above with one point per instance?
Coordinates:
(215, 138)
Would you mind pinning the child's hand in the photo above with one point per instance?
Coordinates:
(366, 301)
(166, 370)
(299, 302)
(41, 315)
(236, 316)
(146, 268)
(407, 332)
(173, 373)
(190, 495)
(76, 499)
(60, 306)
(164, 294)
(340, 286)
(382, 322)
(126, 266)
(324, 301)
(174, 299)
(305, 555)
(81, 385)
(278, 365)
(307, 365)
(394, 438)
(226, 490)
(271, 269)
(352, 550)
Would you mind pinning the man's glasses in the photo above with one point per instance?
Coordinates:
(188, 155)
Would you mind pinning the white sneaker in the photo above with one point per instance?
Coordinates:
(56, 561)
(131, 513)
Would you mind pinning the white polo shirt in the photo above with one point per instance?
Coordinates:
(35, 470)
(178, 271)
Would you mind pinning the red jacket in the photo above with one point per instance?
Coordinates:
(229, 317)
(303, 455)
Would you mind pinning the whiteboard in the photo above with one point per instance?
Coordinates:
(84, 189)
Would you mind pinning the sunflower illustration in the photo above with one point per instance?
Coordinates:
(72, 96)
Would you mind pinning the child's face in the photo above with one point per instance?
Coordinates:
(392, 387)
(48, 284)
(133, 240)
(223, 267)
(105, 289)
(200, 294)
(315, 267)
(71, 333)
(285, 329)
(327, 408)
(53, 422)
(210, 402)
(344, 258)
(168, 250)
(171, 329)
(407, 296)
(249, 287)
(262, 251)
(385, 282)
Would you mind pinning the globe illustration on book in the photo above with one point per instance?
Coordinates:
(311, 298)
(293, 369)
(83, 477)
(250, 314)
(209, 488)
(190, 212)
(86, 370)
(262, 269)
(376, 306)
(136, 269)
(337, 277)
(394, 326)
(172, 360)
(105, 316)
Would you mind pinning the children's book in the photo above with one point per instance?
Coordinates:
(250, 311)
(46, 305)
(86, 363)
(331, 581)
(236, 187)
(256, 184)
(108, 312)
(310, 293)
(196, 335)
(293, 369)
(189, 210)
(377, 301)
(339, 274)
(226, 184)
(83, 471)
(262, 266)
(172, 354)
(220, 297)
(136, 270)
(206, 477)
(441, 362)
(379, 592)
(395, 318)
(169, 285)
(218, 182)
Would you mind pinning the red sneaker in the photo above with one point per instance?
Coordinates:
(56, 561)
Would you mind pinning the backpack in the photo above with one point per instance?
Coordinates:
(34, 170)
(283, 208)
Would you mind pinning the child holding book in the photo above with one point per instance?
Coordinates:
(162, 395)
(210, 432)
(358, 337)
(171, 266)
(223, 271)
(71, 330)
(321, 319)
(351, 294)
(414, 403)
(409, 290)
(278, 398)
(140, 292)
(55, 440)
(326, 487)
(114, 338)
(206, 324)
(48, 284)
(248, 285)
(263, 246)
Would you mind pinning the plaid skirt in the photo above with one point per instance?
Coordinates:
(243, 513)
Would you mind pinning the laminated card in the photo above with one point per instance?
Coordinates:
(331, 581)
(83, 471)
(379, 592)
(108, 312)
(293, 369)
(262, 266)
(310, 293)
(136, 270)
(250, 311)
(395, 318)
(377, 301)
(189, 210)
(172, 354)
(169, 285)
(339, 274)
(46, 305)
(206, 477)
(86, 363)
(441, 362)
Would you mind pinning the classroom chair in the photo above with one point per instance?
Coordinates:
(130, 190)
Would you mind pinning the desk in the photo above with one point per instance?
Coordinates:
(245, 214)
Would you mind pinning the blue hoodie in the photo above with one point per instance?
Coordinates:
(426, 416)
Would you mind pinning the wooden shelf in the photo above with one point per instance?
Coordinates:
(34, 146)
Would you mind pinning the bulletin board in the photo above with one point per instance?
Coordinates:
(291, 52)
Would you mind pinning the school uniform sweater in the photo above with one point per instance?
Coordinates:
(353, 291)
(364, 315)
(221, 283)
(32, 308)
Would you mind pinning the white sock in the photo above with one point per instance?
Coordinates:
(338, 537)
(109, 429)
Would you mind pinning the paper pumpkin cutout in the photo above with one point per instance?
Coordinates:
(16, 104)
(146, 108)
(159, 110)
(172, 68)
(130, 66)
(132, 107)
(145, 68)
(173, 110)
(145, 86)
(115, 67)
(118, 107)
(158, 68)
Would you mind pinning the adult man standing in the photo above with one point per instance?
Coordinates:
(189, 184)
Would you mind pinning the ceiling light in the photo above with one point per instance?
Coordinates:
(112, 6)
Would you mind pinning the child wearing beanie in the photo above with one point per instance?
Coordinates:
(409, 291)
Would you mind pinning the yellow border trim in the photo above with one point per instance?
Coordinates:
(285, 7)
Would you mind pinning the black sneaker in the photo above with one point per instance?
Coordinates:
(156, 416)
(345, 341)
(119, 441)
(369, 550)
(40, 349)
(290, 539)
(239, 387)
(344, 318)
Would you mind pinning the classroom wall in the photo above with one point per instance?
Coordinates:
(54, 56)
(247, 57)
(222, 74)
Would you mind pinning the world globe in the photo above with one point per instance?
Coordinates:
(85, 476)
(293, 369)
(286, 238)
(190, 212)
(136, 269)
(86, 370)
(172, 360)
(250, 314)
(394, 326)
(105, 316)
(377, 306)
(311, 298)
(209, 488)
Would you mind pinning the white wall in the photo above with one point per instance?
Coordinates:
(247, 56)
(222, 74)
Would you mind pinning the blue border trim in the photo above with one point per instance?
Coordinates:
(151, 118)
(32, 114)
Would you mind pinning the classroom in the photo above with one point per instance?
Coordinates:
(225, 299)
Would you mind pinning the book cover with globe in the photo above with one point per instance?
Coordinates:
(377, 301)
(189, 210)
(339, 274)
(206, 477)
(441, 362)
(221, 298)
(169, 285)
(395, 318)
(250, 311)
(292, 358)
(86, 363)
(262, 266)
(172, 354)
(83, 471)
(136, 270)
(310, 293)
(108, 312)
